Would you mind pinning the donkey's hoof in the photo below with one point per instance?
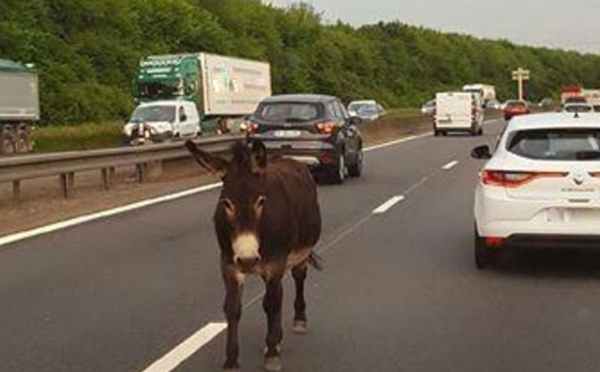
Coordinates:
(300, 327)
(273, 364)
(231, 367)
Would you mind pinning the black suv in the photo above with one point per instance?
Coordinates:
(313, 129)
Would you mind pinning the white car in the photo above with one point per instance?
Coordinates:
(366, 110)
(428, 108)
(541, 186)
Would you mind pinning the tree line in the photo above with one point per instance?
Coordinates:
(87, 52)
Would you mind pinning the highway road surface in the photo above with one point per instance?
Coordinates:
(141, 291)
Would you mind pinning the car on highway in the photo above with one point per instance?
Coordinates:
(458, 112)
(540, 187)
(313, 129)
(368, 110)
(428, 108)
(546, 103)
(578, 107)
(493, 105)
(514, 108)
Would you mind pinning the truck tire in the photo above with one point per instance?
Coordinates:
(7, 145)
(22, 145)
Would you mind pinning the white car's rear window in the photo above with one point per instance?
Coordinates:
(556, 144)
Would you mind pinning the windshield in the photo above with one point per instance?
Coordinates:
(578, 108)
(516, 104)
(556, 144)
(153, 114)
(160, 89)
(367, 109)
(287, 112)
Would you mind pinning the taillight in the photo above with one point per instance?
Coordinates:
(493, 241)
(513, 179)
(249, 127)
(327, 127)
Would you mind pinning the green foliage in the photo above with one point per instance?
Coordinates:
(81, 137)
(87, 53)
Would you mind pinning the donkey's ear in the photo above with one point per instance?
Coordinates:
(258, 156)
(215, 164)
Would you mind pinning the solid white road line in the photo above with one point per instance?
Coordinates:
(5, 240)
(388, 204)
(111, 212)
(188, 347)
(450, 165)
(9, 239)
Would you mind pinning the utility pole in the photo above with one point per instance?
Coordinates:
(520, 75)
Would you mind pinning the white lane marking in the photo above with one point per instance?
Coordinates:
(450, 165)
(388, 204)
(9, 239)
(5, 240)
(396, 142)
(188, 347)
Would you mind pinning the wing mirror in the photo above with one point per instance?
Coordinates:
(481, 152)
(355, 120)
(183, 118)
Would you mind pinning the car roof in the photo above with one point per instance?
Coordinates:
(166, 103)
(308, 98)
(364, 102)
(554, 121)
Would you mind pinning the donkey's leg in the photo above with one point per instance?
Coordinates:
(299, 273)
(233, 311)
(272, 306)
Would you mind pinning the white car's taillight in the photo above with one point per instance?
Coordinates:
(514, 179)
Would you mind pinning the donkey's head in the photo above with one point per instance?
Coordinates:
(242, 198)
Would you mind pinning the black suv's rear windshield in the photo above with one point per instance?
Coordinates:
(289, 112)
(556, 144)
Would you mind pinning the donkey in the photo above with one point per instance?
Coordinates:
(267, 221)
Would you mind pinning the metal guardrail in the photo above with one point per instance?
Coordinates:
(65, 165)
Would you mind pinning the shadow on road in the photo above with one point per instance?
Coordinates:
(553, 263)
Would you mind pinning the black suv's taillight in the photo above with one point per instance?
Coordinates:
(249, 127)
(328, 127)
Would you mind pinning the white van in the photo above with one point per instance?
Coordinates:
(458, 112)
(160, 121)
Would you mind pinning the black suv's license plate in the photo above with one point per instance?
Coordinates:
(287, 133)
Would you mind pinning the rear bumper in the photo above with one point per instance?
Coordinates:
(553, 241)
(525, 222)
(314, 154)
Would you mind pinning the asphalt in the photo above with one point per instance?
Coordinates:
(399, 290)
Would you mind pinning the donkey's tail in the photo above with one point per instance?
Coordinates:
(315, 261)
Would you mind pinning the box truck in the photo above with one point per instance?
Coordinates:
(19, 106)
(222, 90)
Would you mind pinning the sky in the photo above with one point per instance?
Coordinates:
(573, 24)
